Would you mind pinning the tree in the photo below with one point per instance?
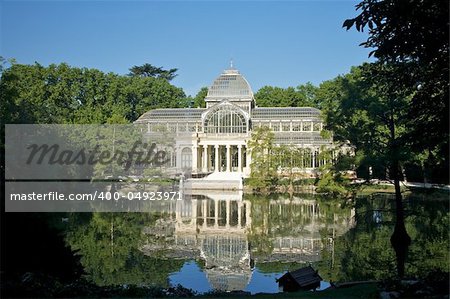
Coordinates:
(263, 168)
(5, 63)
(415, 33)
(372, 115)
(199, 100)
(412, 35)
(307, 93)
(64, 94)
(148, 70)
(301, 96)
(334, 178)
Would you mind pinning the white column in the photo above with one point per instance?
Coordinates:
(205, 158)
(216, 166)
(194, 158)
(313, 158)
(194, 212)
(239, 158)
(228, 158)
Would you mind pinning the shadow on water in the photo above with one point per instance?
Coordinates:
(400, 241)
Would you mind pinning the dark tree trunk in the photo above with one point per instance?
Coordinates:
(400, 240)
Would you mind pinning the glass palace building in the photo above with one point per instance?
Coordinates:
(215, 139)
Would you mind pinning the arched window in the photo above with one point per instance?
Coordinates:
(225, 119)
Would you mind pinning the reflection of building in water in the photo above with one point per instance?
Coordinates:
(213, 229)
(219, 229)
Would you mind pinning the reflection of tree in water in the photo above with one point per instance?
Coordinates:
(228, 236)
(365, 252)
(295, 229)
(108, 244)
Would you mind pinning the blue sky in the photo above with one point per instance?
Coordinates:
(272, 43)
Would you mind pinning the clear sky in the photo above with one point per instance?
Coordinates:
(272, 43)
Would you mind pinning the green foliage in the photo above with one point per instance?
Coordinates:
(404, 30)
(414, 33)
(279, 266)
(365, 251)
(5, 63)
(369, 108)
(263, 168)
(64, 94)
(332, 183)
(376, 261)
(60, 94)
(334, 176)
(301, 96)
(148, 70)
(108, 244)
(113, 139)
(199, 99)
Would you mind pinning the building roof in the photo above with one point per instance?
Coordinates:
(303, 277)
(182, 114)
(230, 84)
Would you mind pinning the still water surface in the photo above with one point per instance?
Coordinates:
(228, 241)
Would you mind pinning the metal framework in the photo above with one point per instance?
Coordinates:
(225, 119)
(230, 84)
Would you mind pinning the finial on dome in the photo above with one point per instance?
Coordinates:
(231, 70)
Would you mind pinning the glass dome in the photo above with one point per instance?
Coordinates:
(230, 84)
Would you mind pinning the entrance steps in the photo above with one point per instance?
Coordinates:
(216, 181)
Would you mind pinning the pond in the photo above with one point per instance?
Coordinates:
(230, 241)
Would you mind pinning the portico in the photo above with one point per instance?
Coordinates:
(219, 157)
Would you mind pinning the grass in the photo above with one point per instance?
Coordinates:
(368, 290)
(367, 190)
